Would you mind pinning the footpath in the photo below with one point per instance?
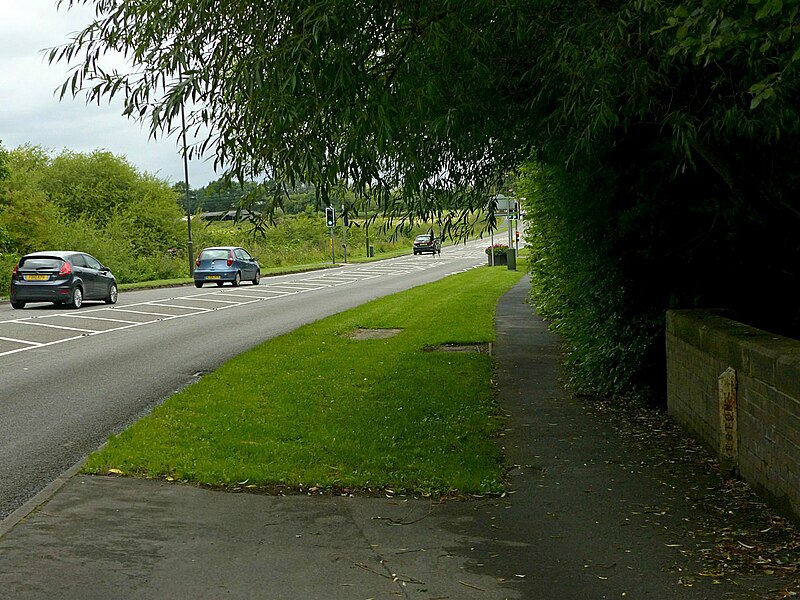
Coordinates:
(579, 522)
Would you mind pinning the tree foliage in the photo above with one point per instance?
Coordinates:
(386, 96)
(671, 127)
(3, 161)
(686, 197)
(94, 202)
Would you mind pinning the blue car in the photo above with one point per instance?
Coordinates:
(226, 263)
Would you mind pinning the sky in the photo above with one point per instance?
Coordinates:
(31, 113)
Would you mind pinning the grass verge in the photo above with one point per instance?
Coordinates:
(317, 408)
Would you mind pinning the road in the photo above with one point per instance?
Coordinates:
(70, 378)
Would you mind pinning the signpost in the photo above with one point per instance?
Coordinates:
(507, 207)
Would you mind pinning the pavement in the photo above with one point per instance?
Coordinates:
(576, 523)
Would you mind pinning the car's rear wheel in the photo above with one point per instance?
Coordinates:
(17, 304)
(113, 294)
(198, 284)
(257, 278)
(237, 279)
(76, 298)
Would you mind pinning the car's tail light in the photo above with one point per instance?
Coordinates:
(14, 272)
(230, 258)
(65, 269)
(197, 262)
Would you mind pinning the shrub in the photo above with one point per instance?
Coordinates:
(611, 329)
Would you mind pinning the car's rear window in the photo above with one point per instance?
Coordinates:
(423, 238)
(213, 254)
(35, 262)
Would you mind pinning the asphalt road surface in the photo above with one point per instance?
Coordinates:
(69, 378)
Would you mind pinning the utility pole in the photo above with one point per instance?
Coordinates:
(186, 182)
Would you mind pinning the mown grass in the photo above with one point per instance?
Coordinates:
(317, 408)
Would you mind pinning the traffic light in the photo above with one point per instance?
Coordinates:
(330, 217)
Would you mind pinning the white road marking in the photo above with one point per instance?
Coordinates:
(55, 326)
(271, 291)
(143, 312)
(71, 316)
(8, 339)
(159, 303)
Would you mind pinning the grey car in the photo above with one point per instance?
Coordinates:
(61, 277)
(427, 242)
(221, 264)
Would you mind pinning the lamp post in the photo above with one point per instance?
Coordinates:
(186, 182)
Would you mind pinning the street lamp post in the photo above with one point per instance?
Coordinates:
(186, 182)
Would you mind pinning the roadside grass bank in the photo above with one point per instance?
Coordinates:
(356, 401)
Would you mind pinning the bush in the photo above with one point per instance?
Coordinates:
(613, 338)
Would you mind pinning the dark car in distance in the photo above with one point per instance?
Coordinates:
(427, 242)
(61, 277)
(226, 263)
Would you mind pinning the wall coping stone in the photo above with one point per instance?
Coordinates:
(768, 357)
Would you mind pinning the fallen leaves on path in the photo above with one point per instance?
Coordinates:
(735, 532)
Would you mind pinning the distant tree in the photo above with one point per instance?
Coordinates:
(92, 185)
(3, 161)
(27, 215)
(43, 194)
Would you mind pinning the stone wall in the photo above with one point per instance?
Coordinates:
(737, 390)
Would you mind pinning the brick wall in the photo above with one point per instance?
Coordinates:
(763, 425)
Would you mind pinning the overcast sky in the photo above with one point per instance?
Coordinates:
(30, 112)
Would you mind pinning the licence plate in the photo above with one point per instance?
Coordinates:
(37, 277)
(213, 277)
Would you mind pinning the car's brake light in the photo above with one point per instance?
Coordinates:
(65, 269)
(197, 262)
(230, 257)
(14, 272)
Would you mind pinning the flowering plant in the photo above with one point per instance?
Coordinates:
(496, 249)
